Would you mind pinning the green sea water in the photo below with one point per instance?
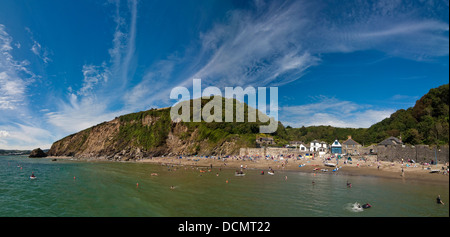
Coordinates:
(104, 189)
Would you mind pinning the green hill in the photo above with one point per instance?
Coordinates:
(153, 133)
(425, 123)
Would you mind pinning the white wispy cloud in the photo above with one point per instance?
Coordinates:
(22, 136)
(4, 134)
(257, 47)
(123, 48)
(12, 91)
(40, 52)
(397, 28)
(37, 48)
(154, 87)
(334, 112)
(79, 114)
(93, 75)
(271, 44)
(276, 42)
(14, 75)
(103, 86)
(17, 128)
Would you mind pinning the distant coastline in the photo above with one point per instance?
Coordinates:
(14, 152)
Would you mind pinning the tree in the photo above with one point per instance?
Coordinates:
(412, 136)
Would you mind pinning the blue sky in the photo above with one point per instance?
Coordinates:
(68, 65)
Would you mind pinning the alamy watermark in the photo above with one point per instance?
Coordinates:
(215, 105)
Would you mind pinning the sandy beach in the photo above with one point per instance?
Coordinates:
(368, 167)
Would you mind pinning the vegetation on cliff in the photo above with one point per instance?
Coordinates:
(153, 133)
(425, 123)
(212, 134)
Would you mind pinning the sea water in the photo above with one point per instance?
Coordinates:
(73, 188)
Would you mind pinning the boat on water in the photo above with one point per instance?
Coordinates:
(330, 164)
(271, 172)
(434, 171)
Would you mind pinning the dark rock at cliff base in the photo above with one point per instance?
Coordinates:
(37, 153)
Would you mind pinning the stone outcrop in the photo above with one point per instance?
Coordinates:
(37, 153)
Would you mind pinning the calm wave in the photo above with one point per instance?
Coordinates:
(70, 188)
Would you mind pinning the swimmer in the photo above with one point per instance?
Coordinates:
(438, 200)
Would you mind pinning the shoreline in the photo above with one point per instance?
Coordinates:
(369, 167)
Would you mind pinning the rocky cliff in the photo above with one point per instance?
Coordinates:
(152, 133)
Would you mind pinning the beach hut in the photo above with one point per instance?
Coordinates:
(336, 147)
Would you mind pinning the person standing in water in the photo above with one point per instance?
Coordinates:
(438, 200)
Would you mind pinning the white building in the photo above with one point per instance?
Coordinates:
(300, 145)
(317, 146)
(303, 147)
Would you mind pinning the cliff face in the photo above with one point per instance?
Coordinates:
(146, 134)
(88, 143)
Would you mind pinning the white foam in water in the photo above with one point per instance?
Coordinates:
(354, 207)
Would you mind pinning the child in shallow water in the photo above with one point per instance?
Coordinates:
(438, 200)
